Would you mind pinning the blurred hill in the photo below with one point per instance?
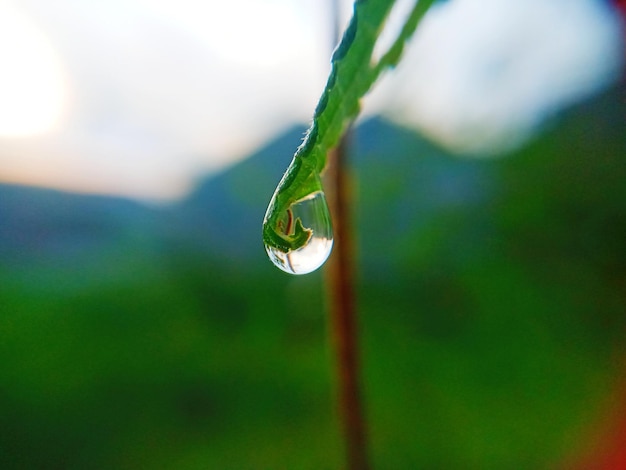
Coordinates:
(222, 216)
(491, 295)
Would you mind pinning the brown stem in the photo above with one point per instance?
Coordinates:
(342, 306)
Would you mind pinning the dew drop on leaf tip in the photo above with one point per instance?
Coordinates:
(312, 212)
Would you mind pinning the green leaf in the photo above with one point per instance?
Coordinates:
(352, 75)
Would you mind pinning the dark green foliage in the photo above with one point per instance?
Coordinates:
(492, 299)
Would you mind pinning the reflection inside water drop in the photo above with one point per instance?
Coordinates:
(314, 215)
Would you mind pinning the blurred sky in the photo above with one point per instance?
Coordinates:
(143, 97)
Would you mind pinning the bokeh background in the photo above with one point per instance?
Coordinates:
(142, 326)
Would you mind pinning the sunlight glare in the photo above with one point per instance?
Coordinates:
(32, 85)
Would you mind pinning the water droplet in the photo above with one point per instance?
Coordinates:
(311, 214)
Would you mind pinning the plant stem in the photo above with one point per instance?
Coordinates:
(342, 300)
(342, 306)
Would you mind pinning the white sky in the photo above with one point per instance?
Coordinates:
(143, 97)
(482, 75)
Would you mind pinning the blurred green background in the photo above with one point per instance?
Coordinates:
(491, 298)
